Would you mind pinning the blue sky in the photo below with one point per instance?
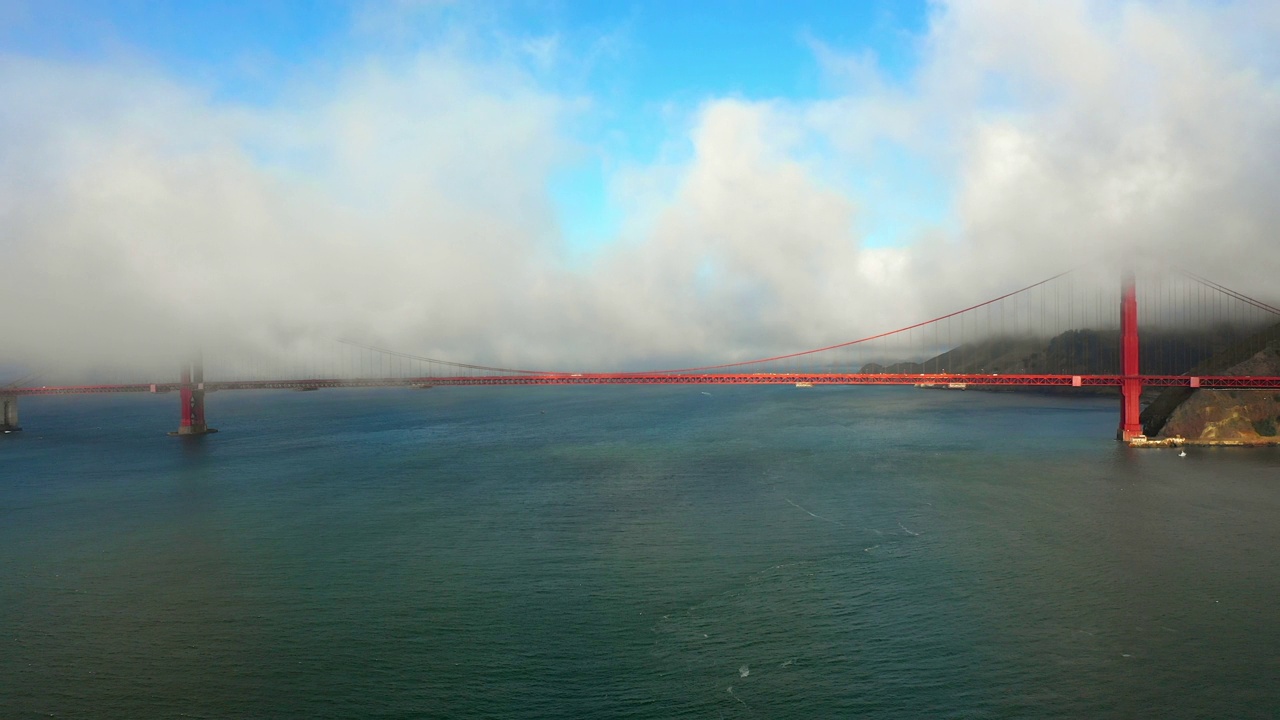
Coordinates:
(666, 50)
(641, 66)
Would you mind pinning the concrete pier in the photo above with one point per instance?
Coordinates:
(9, 413)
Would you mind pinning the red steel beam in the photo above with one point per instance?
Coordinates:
(184, 399)
(1211, 382)
(1131, 386)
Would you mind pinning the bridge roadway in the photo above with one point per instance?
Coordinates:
(1211, 382)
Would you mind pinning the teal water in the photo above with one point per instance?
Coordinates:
(630, 552)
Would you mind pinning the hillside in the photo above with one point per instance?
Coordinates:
(1082, 352)
(1224, 416)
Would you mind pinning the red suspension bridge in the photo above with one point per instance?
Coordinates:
(1064, 332)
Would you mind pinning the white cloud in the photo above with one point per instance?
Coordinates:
(406, 201)
(408, 204)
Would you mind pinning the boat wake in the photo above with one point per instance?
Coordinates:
(824, 519)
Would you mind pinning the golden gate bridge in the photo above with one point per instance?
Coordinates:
(1068, 331)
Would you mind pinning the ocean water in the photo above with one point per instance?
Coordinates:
(630, 552)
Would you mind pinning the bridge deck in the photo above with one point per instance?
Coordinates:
(1205, 382)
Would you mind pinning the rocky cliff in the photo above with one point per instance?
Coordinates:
(1250, 417)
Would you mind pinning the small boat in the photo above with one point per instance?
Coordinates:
(804, 384)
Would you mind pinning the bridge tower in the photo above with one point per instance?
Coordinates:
(1131, 384)
(9, 413)
(191, 397)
